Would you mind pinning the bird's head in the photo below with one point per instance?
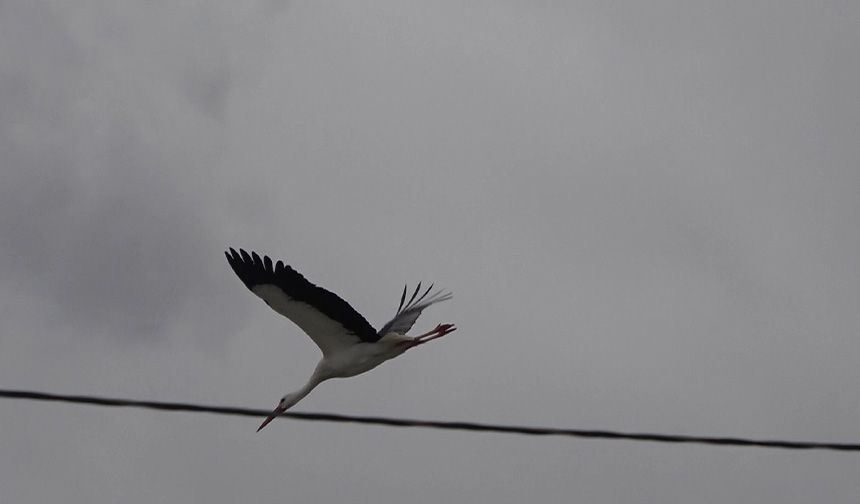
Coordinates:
(282, 406)
(284, 403)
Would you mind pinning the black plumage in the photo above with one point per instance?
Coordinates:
(255, 271)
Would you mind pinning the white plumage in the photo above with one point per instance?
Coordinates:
(350, 345)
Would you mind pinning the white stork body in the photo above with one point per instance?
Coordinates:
(350, 345)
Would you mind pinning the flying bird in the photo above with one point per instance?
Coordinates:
(349, 344)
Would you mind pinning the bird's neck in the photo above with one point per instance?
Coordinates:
(300, 394)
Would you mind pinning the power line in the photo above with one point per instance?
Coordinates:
(434, 424)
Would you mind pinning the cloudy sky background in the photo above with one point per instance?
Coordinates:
(648, 214)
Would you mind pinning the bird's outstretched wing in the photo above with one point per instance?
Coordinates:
(329, 320)
(407, 314)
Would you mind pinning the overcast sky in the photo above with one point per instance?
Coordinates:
(647, 212)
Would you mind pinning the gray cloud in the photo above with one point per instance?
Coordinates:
(94, 215)
(646, 214)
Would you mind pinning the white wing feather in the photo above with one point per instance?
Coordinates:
(329, 334)
(407, 315)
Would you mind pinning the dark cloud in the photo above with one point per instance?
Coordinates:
(207, 87)
(93, 211)
(647, 216)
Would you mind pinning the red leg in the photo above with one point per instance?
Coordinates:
(441, 330)
(430, 333)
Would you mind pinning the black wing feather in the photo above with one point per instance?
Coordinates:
(402, 299)
(253, 270)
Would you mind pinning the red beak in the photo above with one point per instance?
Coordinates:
(275, 414)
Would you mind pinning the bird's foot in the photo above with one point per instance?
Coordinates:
(443, 329)
(438, 332)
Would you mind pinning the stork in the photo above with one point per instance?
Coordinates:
(349, 344)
